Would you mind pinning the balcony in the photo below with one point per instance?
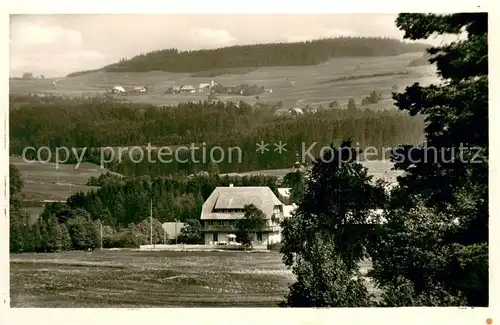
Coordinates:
(220, 228)
(232, 229)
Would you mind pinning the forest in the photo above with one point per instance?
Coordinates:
(224, 59)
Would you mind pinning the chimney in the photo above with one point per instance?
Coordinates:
(230, 185)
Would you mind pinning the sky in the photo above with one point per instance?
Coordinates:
(55, 45)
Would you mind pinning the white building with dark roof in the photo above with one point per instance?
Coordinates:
(225, 206)
(187, 89)
(118, 89)
(204, 88)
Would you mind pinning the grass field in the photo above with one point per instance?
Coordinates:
(43, 181)
(149, 279)
(338, 79)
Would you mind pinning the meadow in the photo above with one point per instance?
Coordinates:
(48, 181)
(149, 279)
(337, 79)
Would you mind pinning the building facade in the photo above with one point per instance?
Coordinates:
(225, 206)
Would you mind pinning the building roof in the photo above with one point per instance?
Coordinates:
(203, 85)
(236, 198)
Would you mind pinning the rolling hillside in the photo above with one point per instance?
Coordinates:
(262, 55)
(46, 181)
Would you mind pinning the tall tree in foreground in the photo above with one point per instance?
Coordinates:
(325, 238)
(437, 230)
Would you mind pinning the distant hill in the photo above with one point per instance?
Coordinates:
(223, 60)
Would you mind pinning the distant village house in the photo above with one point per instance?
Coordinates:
(187, 89)
(288, 112)
(140, 89)
(204, 88)
(118, 89)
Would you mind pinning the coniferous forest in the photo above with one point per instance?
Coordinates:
(101, 122)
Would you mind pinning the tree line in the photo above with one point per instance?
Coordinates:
(122, 207)
(261, 55)
(63, 226)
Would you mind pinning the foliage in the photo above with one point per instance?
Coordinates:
(84, 233)
(323, 280)
(274, 247)
(99, 122)
(333, 105)
(54, 235)
(295, 181)
(213, 169)
(143, 230)
(126, 237)
(20, 231)
(327, 236)
(123, 208)
(260, 55)
(104, 179)
(173, 198)
(423, 60)
(434, 248)
(253, 221)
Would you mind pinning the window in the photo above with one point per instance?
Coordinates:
(259, 236)
(215, 237)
